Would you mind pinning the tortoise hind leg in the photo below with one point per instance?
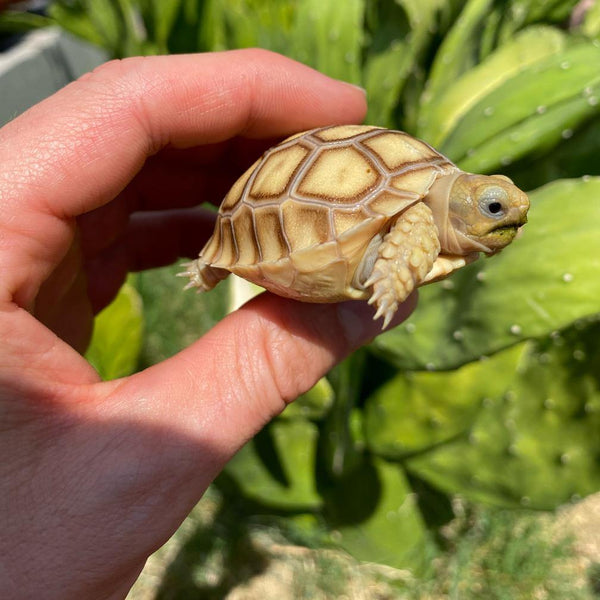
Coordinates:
(202, 276)
(405, 256)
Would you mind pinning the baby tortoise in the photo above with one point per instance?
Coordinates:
(356, 212)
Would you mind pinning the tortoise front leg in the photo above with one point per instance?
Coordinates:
(405, 256)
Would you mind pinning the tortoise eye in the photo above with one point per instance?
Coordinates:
(494, 207)
(491, 202)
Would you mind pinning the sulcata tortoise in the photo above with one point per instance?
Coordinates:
(356, 212)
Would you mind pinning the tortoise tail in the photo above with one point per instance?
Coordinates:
(202, 276)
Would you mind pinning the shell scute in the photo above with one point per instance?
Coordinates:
(317, 285)
(320, 257)
(416, 180)
(272, 244)
(346, 220)
(243, 228)
(278, 273)
(236, 191)
(339, 175)
(228, 247)
(212, 250)
(395, 149)
(341, 132)
(305, 225)
(277, 171)
(390, 202)
(355, 240)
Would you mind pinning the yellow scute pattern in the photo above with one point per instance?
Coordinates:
(277, 171)
(305, 225)
(339, 175)
(236, 191)
(397, 149)
(417, 182)
(342, 132)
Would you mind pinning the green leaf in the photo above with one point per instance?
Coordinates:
(277, 468)
(416, 411)
(375, 517)
(520, 13)
(75, 19)
(537, 445)
(104, 16)
(458, 51)
(400, 32)
(542, 282)
(176, 318)
(591, 23)
(535, 135)
(12, 21)
(520, 55)
(388, 60)
(228, 24)
(547, 97)
(330, 38)
(574, 157)
(314, 404)
(164, 15)
(117, 339)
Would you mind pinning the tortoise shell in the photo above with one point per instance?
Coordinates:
(300, 220)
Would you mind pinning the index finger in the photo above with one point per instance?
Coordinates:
(79, 148)
(96, 133)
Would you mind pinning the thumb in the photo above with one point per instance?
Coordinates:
(222, 389)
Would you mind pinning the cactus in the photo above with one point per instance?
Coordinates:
(314, 404)
(413, 412)
(276, 468)
(373, 514)
(535, 445)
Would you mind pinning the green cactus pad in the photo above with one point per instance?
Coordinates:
(373, 515)
(537, 445)
(276, 469)
(416, 411)
(314, 404)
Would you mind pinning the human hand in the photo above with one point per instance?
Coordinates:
(97, 180)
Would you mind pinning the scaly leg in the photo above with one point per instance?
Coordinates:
(202, 276)
(405, 256)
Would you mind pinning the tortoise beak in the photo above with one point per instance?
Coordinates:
(517, 215)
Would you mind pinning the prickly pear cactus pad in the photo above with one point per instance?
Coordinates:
(536, 444)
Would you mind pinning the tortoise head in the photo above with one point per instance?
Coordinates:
(484, 213)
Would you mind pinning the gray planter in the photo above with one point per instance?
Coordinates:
(43, 62)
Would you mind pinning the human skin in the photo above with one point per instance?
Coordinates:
(100, 179)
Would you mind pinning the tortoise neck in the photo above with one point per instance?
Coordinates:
(438, 200)
(453, 240)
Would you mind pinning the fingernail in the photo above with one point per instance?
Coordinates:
(357, 87)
